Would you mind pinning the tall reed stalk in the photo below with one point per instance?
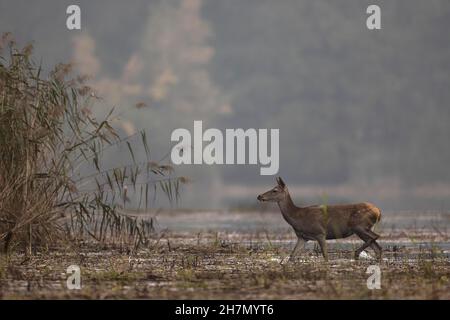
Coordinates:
(47, 134)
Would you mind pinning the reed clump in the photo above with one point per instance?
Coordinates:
(47, 134)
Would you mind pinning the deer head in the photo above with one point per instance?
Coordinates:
(276, 194)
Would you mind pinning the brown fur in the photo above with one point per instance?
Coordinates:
(324, 222)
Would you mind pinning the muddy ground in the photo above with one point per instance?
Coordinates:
(227, 256)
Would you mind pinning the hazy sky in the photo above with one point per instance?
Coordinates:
(363, 115)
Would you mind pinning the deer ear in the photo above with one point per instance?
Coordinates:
(281, 182)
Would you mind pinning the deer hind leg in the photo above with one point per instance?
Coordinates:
(374, 245)
(298, 248)
(367, 243)
(323, 246)
(377, 248)
(369, 237)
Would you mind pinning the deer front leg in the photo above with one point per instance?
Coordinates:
(298, 248)
(323, 246)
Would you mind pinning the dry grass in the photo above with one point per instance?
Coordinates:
(48, 141)
(225, 266)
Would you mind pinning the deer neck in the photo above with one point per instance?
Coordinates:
(287, 207)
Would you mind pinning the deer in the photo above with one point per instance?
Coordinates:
(323, 222)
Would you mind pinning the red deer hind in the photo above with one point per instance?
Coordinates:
(320, 223)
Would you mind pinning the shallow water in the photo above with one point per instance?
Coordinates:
(273, 221)
(244, 255)
(418, 234)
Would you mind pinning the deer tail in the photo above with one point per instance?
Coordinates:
(375, 213)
